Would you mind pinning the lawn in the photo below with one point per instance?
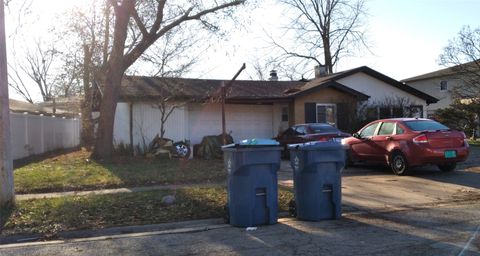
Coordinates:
(474, 142)
(75, 171)
(49, 216)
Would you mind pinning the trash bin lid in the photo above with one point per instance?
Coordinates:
(253, 143)
(316, 145)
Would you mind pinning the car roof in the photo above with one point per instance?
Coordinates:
(403, 119)
(324, 124)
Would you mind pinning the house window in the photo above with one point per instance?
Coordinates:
(326, 113)
(443, 85)
(284, 114)
(416, 111)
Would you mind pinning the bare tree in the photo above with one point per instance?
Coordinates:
(167, 16)
(324, 31)
(462, 54)
(37, 65)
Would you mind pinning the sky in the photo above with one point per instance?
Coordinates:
(405, 36)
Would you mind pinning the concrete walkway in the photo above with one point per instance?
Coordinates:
(114, 191)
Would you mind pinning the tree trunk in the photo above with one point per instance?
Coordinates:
(87, 123)
(110, 80)
(7, 192)
(104, 141)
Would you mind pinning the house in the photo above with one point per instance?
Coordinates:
(258, 109)
(441, 84)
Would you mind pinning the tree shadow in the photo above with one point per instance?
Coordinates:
(5, 213)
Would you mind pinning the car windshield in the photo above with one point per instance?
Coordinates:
(425, 125)
(323, 128)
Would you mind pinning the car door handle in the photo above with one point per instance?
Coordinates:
(388, 138)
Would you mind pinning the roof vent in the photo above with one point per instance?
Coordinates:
(273, 75)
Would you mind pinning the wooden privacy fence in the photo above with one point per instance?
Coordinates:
(37, 134)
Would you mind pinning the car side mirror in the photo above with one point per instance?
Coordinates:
(357, 135)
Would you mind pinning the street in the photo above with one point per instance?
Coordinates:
(426, 213)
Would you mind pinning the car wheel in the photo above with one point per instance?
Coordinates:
(398, 163)
(447, 167)
(182, 149)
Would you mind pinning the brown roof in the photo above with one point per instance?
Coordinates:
(144, 88)
(140, 87)
(450, 71)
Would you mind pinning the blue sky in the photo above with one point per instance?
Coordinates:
(406, 36)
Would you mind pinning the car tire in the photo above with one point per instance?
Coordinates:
(348, 159)
(447, 167)
(398, 163)
(292, 208)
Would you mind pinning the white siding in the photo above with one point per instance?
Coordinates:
(146, 124)
(432, 87)
(243, 121)
(378, 90)
(121, 128)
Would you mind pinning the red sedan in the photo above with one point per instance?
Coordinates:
(402, 143)
(301, 133)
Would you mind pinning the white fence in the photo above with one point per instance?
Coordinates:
(37, 134)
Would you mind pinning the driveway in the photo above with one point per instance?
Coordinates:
(426, 213)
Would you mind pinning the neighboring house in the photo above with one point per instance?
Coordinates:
(440, 84)
(258, 109)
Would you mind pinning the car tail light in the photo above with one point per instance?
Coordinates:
(465, 140)
(422, 138)
(322, 139)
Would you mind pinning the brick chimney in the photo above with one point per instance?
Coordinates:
(320, 71)
(273, 75)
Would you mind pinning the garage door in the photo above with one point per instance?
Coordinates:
(245, 121)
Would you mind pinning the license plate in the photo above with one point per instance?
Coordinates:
(450, 154)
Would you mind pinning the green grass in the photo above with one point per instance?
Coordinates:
(75, 171)
(474, 142)
(49, 216)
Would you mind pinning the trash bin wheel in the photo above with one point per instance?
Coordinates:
(292, 208)
(226, 214)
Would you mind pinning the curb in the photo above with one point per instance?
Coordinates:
(115, 233)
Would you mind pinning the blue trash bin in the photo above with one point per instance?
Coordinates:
(252, 167)
(317, 179)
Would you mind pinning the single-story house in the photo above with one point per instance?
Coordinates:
(254, 109)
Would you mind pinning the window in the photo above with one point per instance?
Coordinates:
(416, 111)
(300, 130)
(326, 113)
(397, 112)
(369, 130)
(426, 125)
(386, 128)
(443, 85)
(399, 130)
(385, 112)
(284, 114)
